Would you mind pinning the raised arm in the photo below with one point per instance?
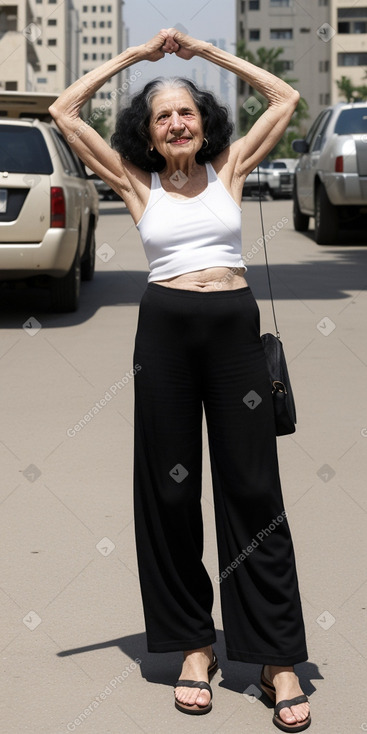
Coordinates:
(251, 149)
(86, 142)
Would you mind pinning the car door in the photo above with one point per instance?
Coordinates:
(316, 147)
(306, 165)
(77, 189)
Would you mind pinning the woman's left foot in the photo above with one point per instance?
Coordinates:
(283, 686)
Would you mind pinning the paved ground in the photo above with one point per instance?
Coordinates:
(72, 622)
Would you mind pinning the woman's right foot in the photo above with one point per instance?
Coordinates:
(195, 667)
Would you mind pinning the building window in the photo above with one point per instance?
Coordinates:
(38, 1)
(109, 56)
(11, 86)
(52, 22)
(352, 13)
(286, 65)
(352, 59)
(94, 8)
(254, 5)
(85, 8)
(109, 8)
(242, 6)
(85, 71)
(94, 57)
(94, 24)
(285, 33)
(102, 56)
(324, 65)
(51, 67)
(94, 39)
(304, 30)
(8, 18)
(85, 39)
(51, 42)
(109, 39)
(324, 98)
(102, 39)
(102, 9)
(357, 26)
(41, 80)
(109, 24)
(323, 2)
(280, 3)
(85, 57)
(101, 25)
(85, 24)
(52, 2)
(254, 34)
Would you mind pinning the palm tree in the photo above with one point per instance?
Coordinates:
(269, 59)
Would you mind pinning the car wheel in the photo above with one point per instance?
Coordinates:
(65, 291)
(88, 261)
(300, 221)
(326, 218)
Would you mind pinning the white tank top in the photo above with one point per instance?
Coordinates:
(184, 235)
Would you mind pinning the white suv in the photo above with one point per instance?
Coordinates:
(331, 176)
(48, 211)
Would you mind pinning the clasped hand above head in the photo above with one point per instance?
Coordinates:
(170, 41)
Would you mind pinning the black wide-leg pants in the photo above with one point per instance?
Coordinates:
(196, 350)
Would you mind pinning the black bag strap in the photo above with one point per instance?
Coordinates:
(266, 256)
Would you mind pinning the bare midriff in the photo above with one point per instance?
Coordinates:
(209, 279)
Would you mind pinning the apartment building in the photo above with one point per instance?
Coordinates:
(322, 41)
(56, 41)
(102, 36)
(45, 45)
(19, 60)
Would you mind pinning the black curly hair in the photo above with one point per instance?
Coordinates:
(131, 137)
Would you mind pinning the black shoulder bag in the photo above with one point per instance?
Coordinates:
(283, 401)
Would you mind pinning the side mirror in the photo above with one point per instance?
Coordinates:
(300, 146)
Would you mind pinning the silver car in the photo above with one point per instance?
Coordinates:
(48, 211)
(331, 175)
(281, 176)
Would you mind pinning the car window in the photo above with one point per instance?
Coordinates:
(66, 156)
(319, 138)
(23, 150)
(313, 128)
(278, 164)
(352, 122)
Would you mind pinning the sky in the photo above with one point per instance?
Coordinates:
(203, 19)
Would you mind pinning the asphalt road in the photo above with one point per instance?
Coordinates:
(73, 652)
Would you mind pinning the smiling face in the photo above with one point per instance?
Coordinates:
(175, 124)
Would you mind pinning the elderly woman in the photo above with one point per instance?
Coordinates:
(198, 345)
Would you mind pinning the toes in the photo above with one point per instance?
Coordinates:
(203, 699)
(296, 714)
(191, 696)
(287, 716)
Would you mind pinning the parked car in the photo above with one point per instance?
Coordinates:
(48, 211)
(280, 177)
(251, 184)
(331, 175)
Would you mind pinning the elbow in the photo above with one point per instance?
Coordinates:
(54, 112)
(295, 97)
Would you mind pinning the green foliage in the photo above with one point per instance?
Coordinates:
(269, 59)
(98, 121)
(351, 92)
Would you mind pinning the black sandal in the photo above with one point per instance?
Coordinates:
(195, 709)
(269, 689)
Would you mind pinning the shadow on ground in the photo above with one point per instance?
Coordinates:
(165, 668)
(329, 279)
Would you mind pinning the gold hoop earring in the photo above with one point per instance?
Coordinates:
(206, 143)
